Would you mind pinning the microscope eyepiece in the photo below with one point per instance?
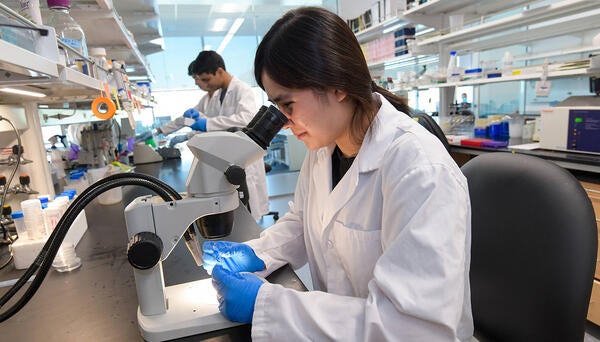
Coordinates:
(256, 118)
(266, 127)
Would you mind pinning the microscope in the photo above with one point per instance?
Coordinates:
(154, 227)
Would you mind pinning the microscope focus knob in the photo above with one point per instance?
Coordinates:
(144, 250)
(235, 175)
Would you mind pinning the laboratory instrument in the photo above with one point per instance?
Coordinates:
(154, 228)
(572, 125)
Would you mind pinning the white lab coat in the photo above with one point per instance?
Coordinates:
(388, 248)
(180, 122)
(238, 108)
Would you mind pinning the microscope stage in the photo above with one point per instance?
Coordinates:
(192, 309)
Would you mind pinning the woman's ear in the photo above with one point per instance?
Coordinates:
(340, 95)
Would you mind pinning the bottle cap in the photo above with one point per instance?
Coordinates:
(17, 214)
(59, 3)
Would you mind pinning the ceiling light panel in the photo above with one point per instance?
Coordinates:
(229, 7)
(219, 25)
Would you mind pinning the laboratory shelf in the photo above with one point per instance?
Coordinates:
(528, 17)
(24, 62)
(379, 29)
(73, 86)
(559, 52)
(570, 24)
(104, 28)
(481, 7)
(521, 77)
(426, 12)
(25, 70)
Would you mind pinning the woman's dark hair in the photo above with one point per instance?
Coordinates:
(311, 47)
(207, 62)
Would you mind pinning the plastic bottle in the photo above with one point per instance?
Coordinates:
(32, 212)
(452, 73)
(507, 64)
(30, 9)
(19, 222)
(101, 66)
(52, 215)
(66, 260)
(67, 29)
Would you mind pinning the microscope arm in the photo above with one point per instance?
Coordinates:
(154, 227)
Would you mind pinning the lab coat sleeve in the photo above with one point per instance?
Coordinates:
(283, 242)
(237, 113)
(173, 125)
(418, 288)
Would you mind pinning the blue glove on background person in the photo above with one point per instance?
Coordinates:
(199, 125)
(232, 256)
(191, 113)
(236, 293)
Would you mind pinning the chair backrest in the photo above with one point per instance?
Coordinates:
(533, 249)
(432, 126)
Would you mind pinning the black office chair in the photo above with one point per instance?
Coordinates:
(533, 249)
(432, 126)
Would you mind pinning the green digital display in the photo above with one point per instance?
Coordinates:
(578, 120)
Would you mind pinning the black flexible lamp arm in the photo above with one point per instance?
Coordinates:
(43, 262)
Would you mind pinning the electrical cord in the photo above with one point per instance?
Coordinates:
(43, 261)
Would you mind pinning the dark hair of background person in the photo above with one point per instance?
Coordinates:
(208, 62)
(191, 68)
(311, 47)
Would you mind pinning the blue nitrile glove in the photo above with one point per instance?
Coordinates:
(236, 293)
(199, 125)
(232, 256)
(177, 139)
(191, 113)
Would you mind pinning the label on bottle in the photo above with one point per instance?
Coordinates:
(74, 43)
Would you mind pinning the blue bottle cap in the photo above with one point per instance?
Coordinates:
(17, 214)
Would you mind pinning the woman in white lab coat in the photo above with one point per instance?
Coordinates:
(381, 212)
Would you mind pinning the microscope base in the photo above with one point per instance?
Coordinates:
(192, 309)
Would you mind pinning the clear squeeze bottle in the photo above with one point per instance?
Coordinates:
(67, 29)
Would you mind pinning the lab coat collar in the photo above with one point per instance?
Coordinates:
(369, 158)
(379, 137)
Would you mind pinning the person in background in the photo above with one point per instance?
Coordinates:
(180, 122)
(232, 106)
(381, 212)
